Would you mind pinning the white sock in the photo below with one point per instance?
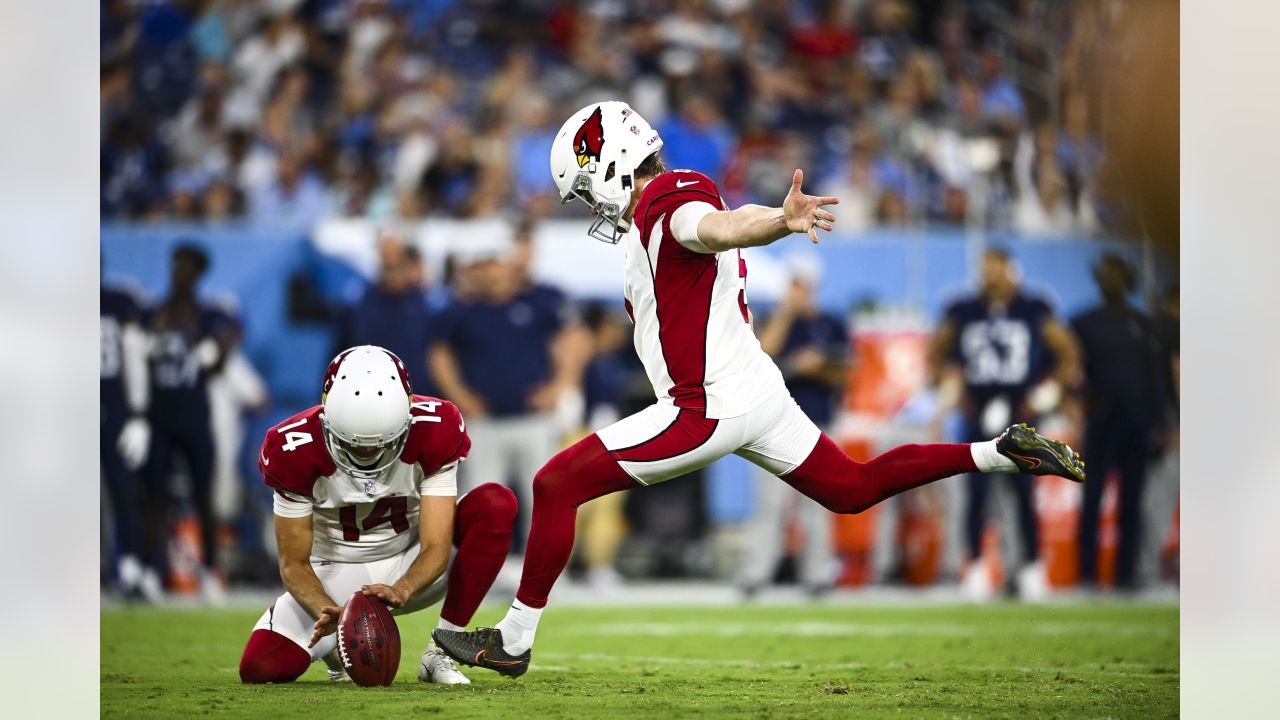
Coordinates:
(519, 627)
(446, 625)
(989, 460)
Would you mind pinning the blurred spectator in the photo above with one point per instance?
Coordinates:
(115, 95)
(262, 55)
(829, 35)
(1046, 202)
(236, 387)
(189, 340)
(855, 183)
(811, 348)
(505, 351)
(896, 122)
(1163, 479)
(962, 156)
(1078, 152)
(186, 189)
(221, 201)
(294, 200)
(162, 56)
(885, 42)
(124, 433)
(450, 182)
(697, 138)
(1123, 404)
(605, 382)
(1000, 97)
(132, 167)
(196, 133)
(530, 147)
(991, 352)
(394, 119)
(392, 312)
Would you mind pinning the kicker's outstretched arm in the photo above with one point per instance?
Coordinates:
(755, 225)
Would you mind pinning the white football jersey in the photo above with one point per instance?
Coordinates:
(355, 520)
(692, 325)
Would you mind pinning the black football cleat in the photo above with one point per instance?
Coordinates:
(1035, 454)
(482, 648)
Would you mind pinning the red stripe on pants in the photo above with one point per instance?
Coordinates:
(687, 432)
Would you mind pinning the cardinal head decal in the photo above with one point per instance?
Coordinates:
(590, 139)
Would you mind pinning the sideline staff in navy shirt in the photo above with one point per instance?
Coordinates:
(500, 338)
(812, 349)
(505, 350)
(1126, 401)
(393, 312)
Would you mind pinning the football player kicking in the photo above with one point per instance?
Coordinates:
(718, 392)
(365, 499)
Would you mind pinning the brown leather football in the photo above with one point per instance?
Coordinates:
(368, 641)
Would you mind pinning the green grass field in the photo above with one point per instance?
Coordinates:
(817, 661)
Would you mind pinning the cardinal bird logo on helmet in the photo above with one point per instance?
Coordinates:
(590, 139)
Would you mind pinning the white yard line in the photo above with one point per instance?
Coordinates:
(788, 665)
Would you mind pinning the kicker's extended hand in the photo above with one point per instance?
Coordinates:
(805, 213)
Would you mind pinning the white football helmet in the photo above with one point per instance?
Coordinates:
(365, 416)
(594, 158)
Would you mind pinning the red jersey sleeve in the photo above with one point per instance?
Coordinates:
(667, 192)
(293, 455)
(437, 434)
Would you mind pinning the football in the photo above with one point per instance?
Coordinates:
(368, 641)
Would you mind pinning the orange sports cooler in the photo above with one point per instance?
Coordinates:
(920, 535)
(185, 556)
(855, 535)
(888, 368)
(1057, 502)
(1109, 531)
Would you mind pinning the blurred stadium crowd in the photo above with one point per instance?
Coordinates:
(284, 112)
(281, 115)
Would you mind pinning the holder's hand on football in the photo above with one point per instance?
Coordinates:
(389, 594)
(326, 623)
(804, 213)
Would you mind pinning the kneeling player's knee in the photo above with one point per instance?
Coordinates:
(270, 657)
(500, 504)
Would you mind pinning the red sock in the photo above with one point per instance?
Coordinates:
(581, 472)
(482, 534)
(844, 485)
(270, 657)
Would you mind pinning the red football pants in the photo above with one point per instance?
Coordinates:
(586, 470)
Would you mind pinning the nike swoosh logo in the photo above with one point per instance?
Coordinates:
(481, 659)
(265, 461)
(562, 174)
(1035, 462)
(680, 184)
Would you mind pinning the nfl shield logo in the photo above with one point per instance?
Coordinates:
(370, 487)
